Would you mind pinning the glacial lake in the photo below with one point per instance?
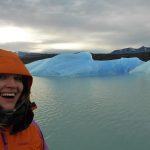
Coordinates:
(94, 113)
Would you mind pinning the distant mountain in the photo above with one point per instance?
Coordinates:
(132, 50)
(28, 57)
(142, 53)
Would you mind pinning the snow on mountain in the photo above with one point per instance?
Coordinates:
(142, 49)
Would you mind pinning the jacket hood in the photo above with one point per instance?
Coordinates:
(10, 63)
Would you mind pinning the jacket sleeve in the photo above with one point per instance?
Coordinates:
(45, 147)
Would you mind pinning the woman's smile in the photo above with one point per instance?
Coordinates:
(11, 88)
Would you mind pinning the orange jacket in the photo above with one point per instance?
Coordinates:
(29, 139)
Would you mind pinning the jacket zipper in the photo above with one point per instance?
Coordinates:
(4, 140)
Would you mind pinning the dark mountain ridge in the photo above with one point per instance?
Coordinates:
(142, 53)
(131, 50)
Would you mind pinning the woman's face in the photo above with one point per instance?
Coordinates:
(11, 87)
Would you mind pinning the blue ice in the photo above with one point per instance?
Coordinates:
(142, 69)
(81, 64)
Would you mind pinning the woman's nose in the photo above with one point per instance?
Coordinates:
(11, 82)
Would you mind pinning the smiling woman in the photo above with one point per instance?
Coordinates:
(14, 34)
(18, 130)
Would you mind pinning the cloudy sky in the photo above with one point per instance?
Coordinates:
(62, 25)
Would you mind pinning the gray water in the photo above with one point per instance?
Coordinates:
(94, 113)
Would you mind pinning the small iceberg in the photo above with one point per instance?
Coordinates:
(142, 69)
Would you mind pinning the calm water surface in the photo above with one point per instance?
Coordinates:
(94, 113)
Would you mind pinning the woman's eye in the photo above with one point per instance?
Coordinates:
(2, 77)
(15, 77)
(18, 78)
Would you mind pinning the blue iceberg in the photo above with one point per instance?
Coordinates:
(142, 69)
(81, 64)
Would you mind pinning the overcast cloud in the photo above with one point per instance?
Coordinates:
(103, 25)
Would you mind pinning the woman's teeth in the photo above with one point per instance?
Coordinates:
(8, 95)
